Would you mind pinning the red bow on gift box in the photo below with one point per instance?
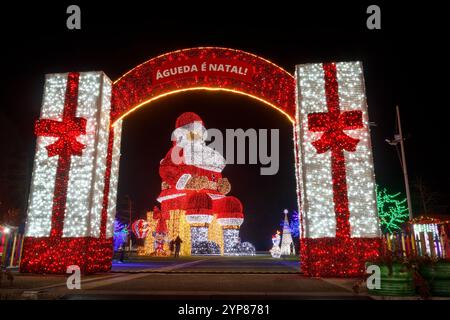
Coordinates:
(66, 131)
(333, 124)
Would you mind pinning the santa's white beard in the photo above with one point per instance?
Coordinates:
(202, 156)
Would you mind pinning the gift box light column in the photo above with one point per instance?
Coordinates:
(72, 197)
(337, 185)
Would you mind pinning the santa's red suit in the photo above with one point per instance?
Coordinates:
(190, 166)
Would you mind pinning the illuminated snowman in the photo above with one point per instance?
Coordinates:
(276, 251)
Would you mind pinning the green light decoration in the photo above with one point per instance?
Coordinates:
(392, 210)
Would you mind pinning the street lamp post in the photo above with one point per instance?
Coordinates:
(398, 138)
(129, 222)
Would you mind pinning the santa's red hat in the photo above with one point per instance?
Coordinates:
(187, 118)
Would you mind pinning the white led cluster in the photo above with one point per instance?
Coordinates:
(316, 190)
(199, 234)
(230, 239)
(170, 196)
(114, 179)
(199, 218)
(100, 157)
(286, 239)
(426, 228)
(295, 135)
(79, 192)
(359, 164)
(234, 222)
(315, 169)
(44, 172)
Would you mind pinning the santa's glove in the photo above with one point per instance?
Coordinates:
(197, 183)
(223, 186)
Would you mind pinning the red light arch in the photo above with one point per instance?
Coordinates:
(204, 68)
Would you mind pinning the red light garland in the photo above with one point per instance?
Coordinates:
(107, 183)
(54, 255)
(337, 257)
(268, 83)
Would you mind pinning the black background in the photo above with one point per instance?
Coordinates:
(405, 63)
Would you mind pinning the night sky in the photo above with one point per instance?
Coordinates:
(402, 64)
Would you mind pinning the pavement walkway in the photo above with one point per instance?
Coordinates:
(259, 277)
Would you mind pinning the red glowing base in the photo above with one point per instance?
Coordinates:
(333, 257)
(54, 255)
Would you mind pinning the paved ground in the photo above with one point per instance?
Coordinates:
(259, 277)
(210, 264)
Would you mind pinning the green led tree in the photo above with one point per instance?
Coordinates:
(392, 210)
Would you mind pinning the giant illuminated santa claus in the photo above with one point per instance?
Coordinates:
(191, 176)
(190, 165)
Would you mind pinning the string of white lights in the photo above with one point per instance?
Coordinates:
(359, 164)
(114, 179)
(44, 171)
(315, 173)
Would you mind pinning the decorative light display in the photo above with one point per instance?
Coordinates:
(215, 233)
(156, 239)
(140, 228)
(190, 166)
(276, 251)
(392, 210)
(286, 239)
(429, 227)
(295, 225)
(230, 216)
(198, 209)
(230, 240)
(120, 234)
(74, 185)
(205, 247)
(267, 82)
(111, 179)
(341, 229)
(245, 249)
(65, 212)
(195, 186)
(198, 234)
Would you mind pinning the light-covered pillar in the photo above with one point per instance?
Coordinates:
(74, 179)
(337, 184)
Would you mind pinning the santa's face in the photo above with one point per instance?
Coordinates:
(193, 133)
(193, 136)
(192, 139)
(159, 236)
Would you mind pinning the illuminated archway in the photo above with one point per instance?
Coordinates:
(74, 184)
(209, 68)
